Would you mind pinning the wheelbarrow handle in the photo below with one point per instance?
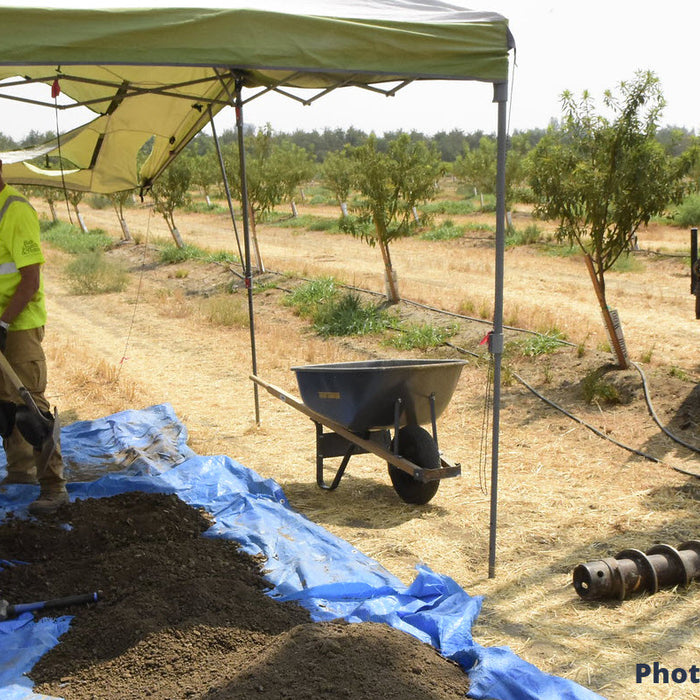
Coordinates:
(13, 610)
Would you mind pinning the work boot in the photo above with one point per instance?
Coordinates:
(19, 477)
(49, 501)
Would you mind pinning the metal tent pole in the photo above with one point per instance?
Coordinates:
(226, 187)
(246, 240)
(500, 95)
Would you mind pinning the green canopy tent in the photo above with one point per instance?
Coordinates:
(163, 73)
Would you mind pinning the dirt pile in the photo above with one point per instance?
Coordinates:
(186, 616)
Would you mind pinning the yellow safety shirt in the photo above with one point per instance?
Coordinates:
(19, 247)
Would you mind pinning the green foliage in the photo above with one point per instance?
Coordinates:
(171, 190)
(338, 174)
(445, 232)
(628, 262)
(72, 239)
(688, 212)
(310, 222)
(448, 207)
(312, 295)
(601, 179)
(204, 208)
(597, 389)
(392, 184)
(91, 273)
(99, 201)
(531, 234)
(171, 253)
(541, 344)
(421, 336)
(348, 315)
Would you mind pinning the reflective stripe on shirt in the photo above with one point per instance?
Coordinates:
(12, 198)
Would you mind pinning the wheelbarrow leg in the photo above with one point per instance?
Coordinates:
(319, 462)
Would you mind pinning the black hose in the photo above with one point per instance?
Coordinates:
(551, 403)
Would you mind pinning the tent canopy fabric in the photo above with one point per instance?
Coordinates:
(158, 72)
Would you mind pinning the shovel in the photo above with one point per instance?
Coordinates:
(7, 611)
(40, 429)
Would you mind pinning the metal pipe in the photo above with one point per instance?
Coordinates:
(632, 571)
(500, 95)
(246, 240)
(226, 187)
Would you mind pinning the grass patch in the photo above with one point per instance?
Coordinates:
(204, 208)
(309, 297)
(226, 310)
(349, 315)
(527, 236)
(91, 273)
(72, 239)
(628, 262)
(447, 207)
(536, 345)
(561, 250)
(447, 231)
(421, 336)
(310, 222)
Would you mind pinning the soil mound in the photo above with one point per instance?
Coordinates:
(186, 616)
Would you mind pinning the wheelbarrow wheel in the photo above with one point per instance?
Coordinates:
(416, 445)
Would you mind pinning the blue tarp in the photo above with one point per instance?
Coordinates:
(147, 451)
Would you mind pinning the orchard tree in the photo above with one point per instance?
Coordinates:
(170, 191)
(603, 177)
(294, 165)
(119, 201)
(337, 175)
(392, 185)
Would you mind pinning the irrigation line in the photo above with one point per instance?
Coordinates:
(534, 391)
(551, 403)
(652, 413)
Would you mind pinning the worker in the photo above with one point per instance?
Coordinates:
(22, 319)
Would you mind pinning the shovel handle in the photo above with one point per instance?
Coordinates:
(16, 382)
(54, 603)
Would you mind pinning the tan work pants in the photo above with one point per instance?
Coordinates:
(26, 356)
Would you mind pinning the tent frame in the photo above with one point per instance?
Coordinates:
(231, 81)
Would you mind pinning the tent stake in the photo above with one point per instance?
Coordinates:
(246, 239)
(500, 95)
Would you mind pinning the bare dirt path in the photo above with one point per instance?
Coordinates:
(565, 495)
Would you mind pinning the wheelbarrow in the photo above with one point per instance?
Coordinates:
(360, 403)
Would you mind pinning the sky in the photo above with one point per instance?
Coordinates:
(592, 45)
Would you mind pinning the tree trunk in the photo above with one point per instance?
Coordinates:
(83, 227)
(174, 232)
(389, 276)
(344, 208)
(610, 318)
(125, 229)
(295, 213)
(54, 216)
(254, 237)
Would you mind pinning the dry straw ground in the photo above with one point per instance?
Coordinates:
(566, 496)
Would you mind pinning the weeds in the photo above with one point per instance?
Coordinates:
(73, 240)
(309, 297)
(595, 388)
(90, 273)
(421, 336)
(531, 234)
(348, 315)
(541, 344)
(226, 310)
(447, 231)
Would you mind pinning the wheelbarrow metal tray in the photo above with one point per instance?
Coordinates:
(362, 396)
